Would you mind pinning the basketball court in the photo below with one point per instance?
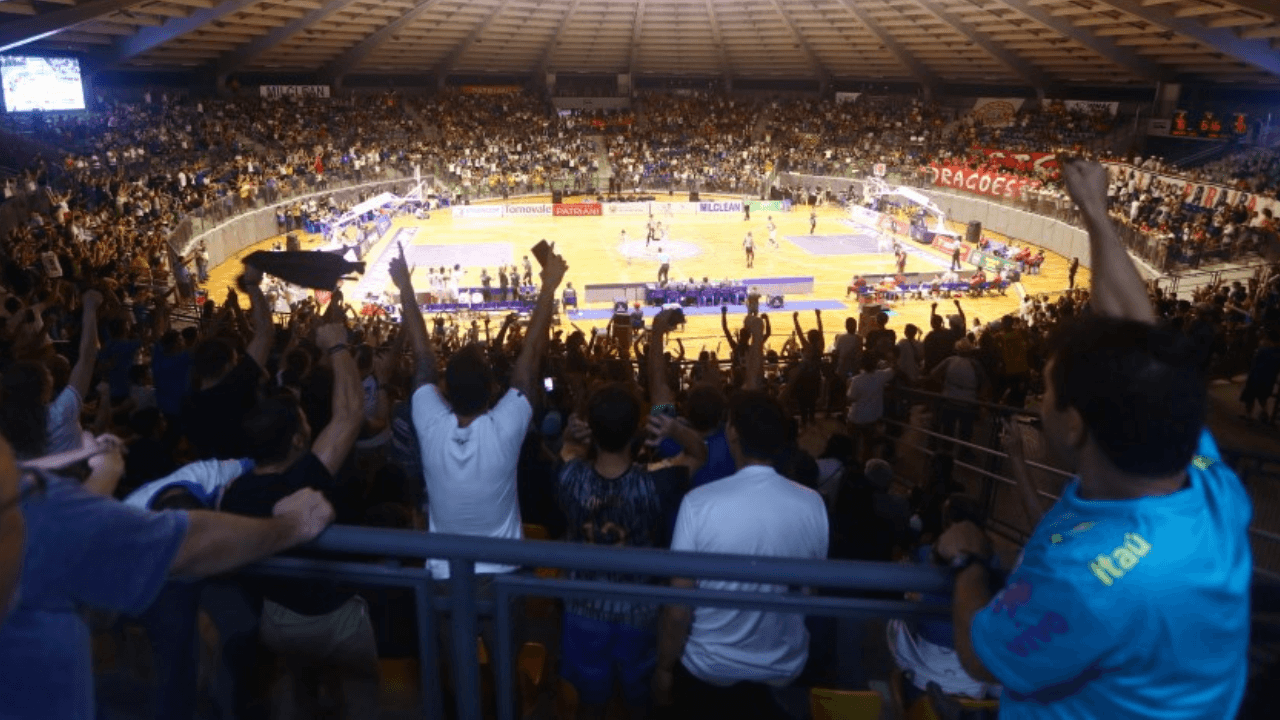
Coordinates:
(700, 246)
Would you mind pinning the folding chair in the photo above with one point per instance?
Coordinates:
(829, 704)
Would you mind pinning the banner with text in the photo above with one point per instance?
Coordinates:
(627, 208)
(996, 111)
(769, 205)
(976, 181)
(1021, 161)
(528, 210)
(273, 92)
(948, 243)
(847, 97)
(476, 211)
(864, 216)
(1090, 106)
(675, 208)
(577, 210)
(1195, 194)
(721, 206)
(490, 89)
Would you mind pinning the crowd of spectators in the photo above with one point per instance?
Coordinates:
(387, 426)
(329, 414)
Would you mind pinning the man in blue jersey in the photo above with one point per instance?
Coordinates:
(1132, 595)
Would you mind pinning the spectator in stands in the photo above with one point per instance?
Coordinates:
(715, 662)
(470, 450)
(1153, 506)
(866, 403)
(1261, 381)
(611, 500)
(120, 556)
(848, 350)
(312, 625)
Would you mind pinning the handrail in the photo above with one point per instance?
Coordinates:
(844, 574)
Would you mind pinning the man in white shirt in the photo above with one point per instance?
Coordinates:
(469, 450)
(664, 266)
(716, 662)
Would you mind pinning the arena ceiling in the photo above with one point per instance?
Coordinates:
(1042, 43)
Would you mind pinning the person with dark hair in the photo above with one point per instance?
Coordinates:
(469, 450)
(925, 650)
(866, 403)
(70, 550)
(63, 419)
(848, 350)
(1261, 380)
(1071, 273)
(225, 383)
(297, 616)
(1132, 596)
(609, 499)
(715, 662)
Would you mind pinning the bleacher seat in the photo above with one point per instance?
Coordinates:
(828, 704)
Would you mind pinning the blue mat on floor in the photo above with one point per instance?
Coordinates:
(649, 312)
(862, 243)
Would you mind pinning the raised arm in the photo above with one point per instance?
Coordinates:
(754, 377)
(818, 314)
(724, 325)
(333, 443)
(963, 319)
(424, 356)
(804, 341)
(659, 391)
(260, 311)
(523, 377)
(82, 372)
(768, 327)
(1116, 289)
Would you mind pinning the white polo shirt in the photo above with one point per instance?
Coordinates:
(471, 472)
(755, 511)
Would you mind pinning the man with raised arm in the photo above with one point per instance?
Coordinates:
(470, 449)
(1131, 598)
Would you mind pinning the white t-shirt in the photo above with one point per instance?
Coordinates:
(471, 472)
(866, 395)
(63, 424)
(755, 511)
(206, 479)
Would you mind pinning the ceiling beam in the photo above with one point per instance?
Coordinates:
(38, 27)
(1132, 61)
(635, 39)
(1018, 65)
(152, 37)
(1257, 53)
(544, 63)
(246, 54)
(450, 61)
(347, 61)
(814, 63)
(718, 39)
(922, 73)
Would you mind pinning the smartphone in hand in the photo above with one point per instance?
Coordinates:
(542, 251)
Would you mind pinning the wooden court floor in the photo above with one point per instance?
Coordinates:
(592, 246)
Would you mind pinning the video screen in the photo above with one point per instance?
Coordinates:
(41, 83)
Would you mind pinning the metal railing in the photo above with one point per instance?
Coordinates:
(462, 552)
(1253, 468)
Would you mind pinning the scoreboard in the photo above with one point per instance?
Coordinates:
(1209, 125)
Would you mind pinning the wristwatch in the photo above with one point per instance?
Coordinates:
(964, 560)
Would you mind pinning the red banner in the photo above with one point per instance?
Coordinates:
(1028, 162)
(976, 181)
(577, 209)
(491, 89)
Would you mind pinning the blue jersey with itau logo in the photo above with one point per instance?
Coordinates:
(1128, 608)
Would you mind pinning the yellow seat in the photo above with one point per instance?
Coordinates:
(398, 675)
(536, 532)
(531, 664)
(482, 652)
(828, 704)
(566, 701)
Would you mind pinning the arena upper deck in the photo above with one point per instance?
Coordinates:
(1032, 43)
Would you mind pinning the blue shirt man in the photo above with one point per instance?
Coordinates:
(1106, 586)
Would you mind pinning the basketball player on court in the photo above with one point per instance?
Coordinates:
(813, 220)
(622, 238)
(649, 238)
(749, 246)
(773, 232)
(664, 266)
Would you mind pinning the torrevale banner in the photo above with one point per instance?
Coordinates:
(975, 181)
